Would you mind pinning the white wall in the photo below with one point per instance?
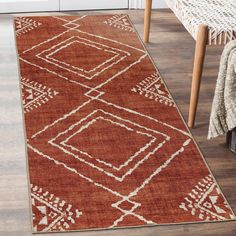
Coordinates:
(140, 4)
(159, 4)
(68, 5)
(53, 5)
(9, 6)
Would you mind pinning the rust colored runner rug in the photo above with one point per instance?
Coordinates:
(106, 144)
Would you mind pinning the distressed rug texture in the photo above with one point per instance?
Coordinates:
(106, 144)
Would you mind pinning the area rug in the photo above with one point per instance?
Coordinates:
(107, 146)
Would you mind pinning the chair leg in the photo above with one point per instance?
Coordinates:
(200, 50)
(147, 19)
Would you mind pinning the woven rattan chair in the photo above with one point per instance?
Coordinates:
(210, 22)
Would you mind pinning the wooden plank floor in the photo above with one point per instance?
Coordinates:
(172, 49)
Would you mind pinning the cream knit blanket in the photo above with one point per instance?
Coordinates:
(223, 114)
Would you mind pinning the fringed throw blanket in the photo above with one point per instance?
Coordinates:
(223, 114)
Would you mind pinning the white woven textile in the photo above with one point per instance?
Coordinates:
(218, 15)
(223, 113)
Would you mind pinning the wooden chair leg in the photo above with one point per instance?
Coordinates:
(200, 50)
(147, 19)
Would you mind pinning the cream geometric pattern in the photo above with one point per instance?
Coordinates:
(55, 213)
(84, 38)
(115, 56)
(120, 22)
(117, 121)
(150, 88)
(218, 15)
(202, 201)
(34, 94)
(24, 25)
(123, 198)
